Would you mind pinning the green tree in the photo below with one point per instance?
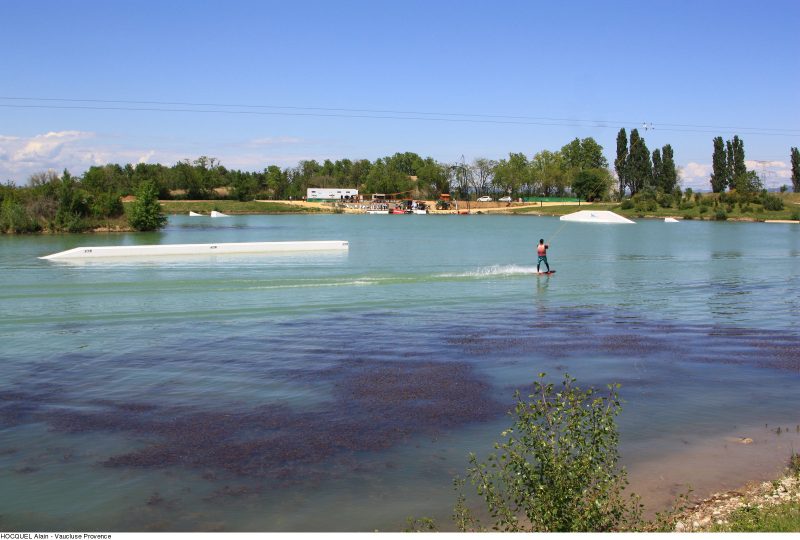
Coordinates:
(639, 169)
(483, 175)
(739, 167)
(749, 182)
(795, 158)
(558, 467)
(548, 174)
(145, 212)
(719, 165)
(669, 173)
(583, 154)
(620, 164)
(243, 185)
(512, 173)
(592, 184)
(73, 205)
(433, 178)
(384, 179)
(407, 163)
(276, 182)
(658, 170)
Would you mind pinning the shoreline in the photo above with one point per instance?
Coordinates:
(710, 464)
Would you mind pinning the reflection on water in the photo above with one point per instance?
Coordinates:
(343, 392)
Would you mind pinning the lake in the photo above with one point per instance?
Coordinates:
(344, 391)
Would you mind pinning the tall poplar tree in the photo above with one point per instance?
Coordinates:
(620, 162)
(658, 170)
(728, 165)
(639, 170)
(795, 153)
(719, 164)
(739, 167)
(669, 171)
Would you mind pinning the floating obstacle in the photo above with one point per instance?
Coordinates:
(596, 216)
(97, 252)
(195, 214)
(670, 220)
(214, 213)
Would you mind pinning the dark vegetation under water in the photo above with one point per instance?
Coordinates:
(373, 404)
(372, 401)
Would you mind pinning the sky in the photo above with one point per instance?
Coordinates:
(259, 83)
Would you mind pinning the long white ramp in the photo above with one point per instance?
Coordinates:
(96, 252)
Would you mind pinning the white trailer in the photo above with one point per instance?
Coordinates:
(330, 194)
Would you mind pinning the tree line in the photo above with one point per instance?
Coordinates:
(67, 203)
(579, 168)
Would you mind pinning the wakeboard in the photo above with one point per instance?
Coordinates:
(545, 273)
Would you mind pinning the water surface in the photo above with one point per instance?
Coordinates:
(343, 391)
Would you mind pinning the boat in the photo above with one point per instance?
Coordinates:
(97, 252)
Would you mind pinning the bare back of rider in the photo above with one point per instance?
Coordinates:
(541, 251)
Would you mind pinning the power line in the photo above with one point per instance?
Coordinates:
(381, 114)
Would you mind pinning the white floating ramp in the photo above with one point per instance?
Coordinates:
(596, 216)
(97, 252)
(195, 214)
(670, 220)
(214, 213)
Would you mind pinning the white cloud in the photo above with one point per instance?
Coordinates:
(20, 157)
(147, 156)
(46, 147)
(696, 175)
(755, 165)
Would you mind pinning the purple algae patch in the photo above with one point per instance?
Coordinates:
(375, 406)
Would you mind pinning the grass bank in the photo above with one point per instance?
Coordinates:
(765, 507)
(238, 207)
(706, 207)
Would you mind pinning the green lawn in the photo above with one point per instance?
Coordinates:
(752, 212)
(234, 207)
(779, 518)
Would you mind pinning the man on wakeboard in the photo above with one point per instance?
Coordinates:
(541, 250)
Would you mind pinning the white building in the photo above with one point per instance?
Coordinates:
(330, 194)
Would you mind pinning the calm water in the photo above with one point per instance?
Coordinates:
(344, 391)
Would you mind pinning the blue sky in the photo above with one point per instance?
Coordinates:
(691, 70)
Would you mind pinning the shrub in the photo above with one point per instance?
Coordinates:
(558, 467)
(106, 205)
(772, 202)
(145, 211)
(703, 209)
(720, 215)
(15, 219)
(665, 201)
(688, 205)
(627, 204)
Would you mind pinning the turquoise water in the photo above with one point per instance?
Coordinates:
(343, 391)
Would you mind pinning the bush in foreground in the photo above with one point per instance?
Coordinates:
(557, 468)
